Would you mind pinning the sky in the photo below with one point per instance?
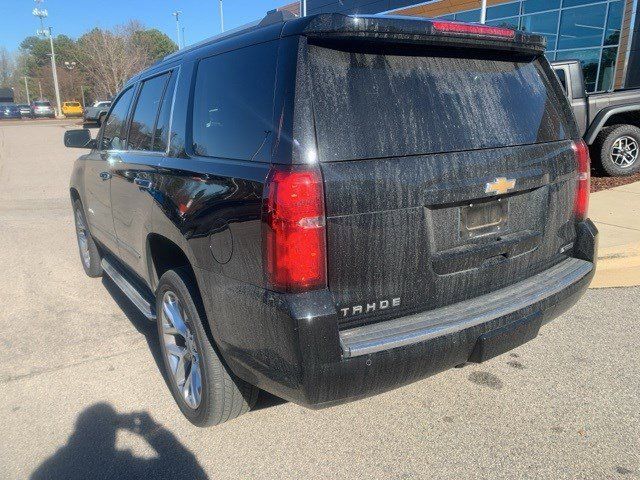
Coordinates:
(74, 17)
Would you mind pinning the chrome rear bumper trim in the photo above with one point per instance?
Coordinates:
(453, 318)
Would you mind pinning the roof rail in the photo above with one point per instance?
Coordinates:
(272, 16)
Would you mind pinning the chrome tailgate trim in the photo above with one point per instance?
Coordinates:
(453, 318)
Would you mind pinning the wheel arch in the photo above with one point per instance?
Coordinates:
(619, 114)
(163, 254)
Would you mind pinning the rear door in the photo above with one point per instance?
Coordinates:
(97, 179)
(448, 174)
(135, 169)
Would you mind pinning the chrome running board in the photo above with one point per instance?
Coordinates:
(130, 291)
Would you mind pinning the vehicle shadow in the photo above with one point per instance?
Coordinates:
(148, 329)
(91, 453)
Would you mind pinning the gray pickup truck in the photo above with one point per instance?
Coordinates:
(96, 112)
(609, 122)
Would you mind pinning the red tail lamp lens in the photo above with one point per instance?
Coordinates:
(455, 27)
(294, 229)
(584, 179)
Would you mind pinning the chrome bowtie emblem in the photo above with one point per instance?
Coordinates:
(500, 185)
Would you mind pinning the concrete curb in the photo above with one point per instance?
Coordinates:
(618, 267)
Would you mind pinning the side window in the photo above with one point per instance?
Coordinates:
(562, 77)
(146, 112)
(114, 130)
(233, 102)
(161, 134)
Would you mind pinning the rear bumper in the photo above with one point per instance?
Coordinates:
(299, 354)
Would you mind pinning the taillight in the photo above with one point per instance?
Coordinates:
(294, 229)
(584, 179)
(455, 27)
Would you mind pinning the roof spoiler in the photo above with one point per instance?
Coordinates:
(415, 30)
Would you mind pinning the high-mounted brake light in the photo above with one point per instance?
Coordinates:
(584, 179)
(294, 229)
(456, 27)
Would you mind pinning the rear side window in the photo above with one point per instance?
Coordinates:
(161, 134)
(370, 104)
(146, 112)
(114, 131)
(233, 102)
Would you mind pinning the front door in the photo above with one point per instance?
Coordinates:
(98, 172)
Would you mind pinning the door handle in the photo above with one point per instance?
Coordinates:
(143, 183)
(105, 175)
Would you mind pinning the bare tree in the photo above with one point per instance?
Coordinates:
(7, 68)
(110, 58)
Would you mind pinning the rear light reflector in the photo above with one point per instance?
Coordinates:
(584, 179)
(455, 27)
(295, 254)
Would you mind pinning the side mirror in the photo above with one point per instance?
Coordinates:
(80, 138)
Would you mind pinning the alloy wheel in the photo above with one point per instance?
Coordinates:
(624, 151)
(83, 239)
(181, 350)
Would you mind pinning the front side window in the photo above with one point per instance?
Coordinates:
(114, 130)
(233, 102)
(146, 112)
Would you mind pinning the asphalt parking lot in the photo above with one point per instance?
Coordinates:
(81, 394)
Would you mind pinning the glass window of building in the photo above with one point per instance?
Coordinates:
(582, 27)
(585, 30)
(533, 6)
(614, 23)
(502, 11)
(589, 58)
(607, 68)
(468, 16)
(511, 22)
(543, 24)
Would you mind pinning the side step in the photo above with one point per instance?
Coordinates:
(141, 301)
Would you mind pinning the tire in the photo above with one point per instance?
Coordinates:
(618, 147)
(223, 396)
(89, 254)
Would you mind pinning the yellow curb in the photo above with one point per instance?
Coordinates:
(618, 267)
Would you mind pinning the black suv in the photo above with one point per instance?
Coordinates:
(330, 207)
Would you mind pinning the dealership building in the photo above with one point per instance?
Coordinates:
(601, 34)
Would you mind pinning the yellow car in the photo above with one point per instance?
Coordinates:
(72, 109)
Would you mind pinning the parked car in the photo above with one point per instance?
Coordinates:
(96, 112)
(609, 122)
(9, 110)
(72, 109)
(42, 108)
(25, 109)
(331, 207)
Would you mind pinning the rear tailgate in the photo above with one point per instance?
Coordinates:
(449, 173)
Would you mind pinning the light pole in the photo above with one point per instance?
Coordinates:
(26, 87)
(303, 8)
(177, 15)
(42, 14)
(221, 15)
(483, 11)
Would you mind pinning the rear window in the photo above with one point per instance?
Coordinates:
(42, 104)
(72, 104)
(370, 104)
